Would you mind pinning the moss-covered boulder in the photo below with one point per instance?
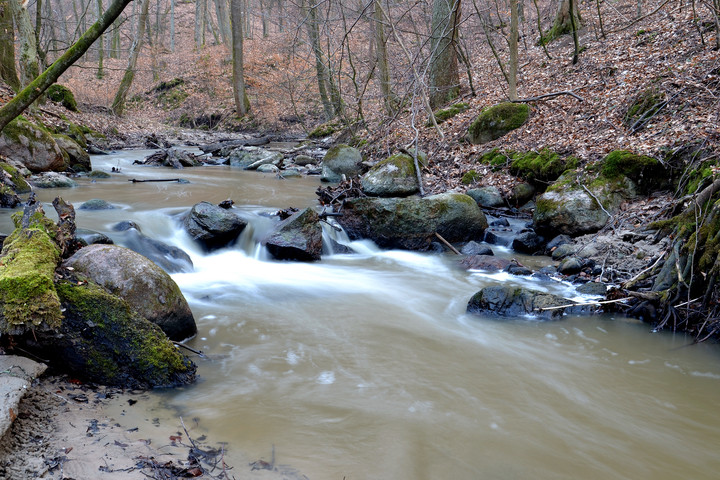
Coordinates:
(28, 300)
(32, 145)
(341, 160)
(648, 173)
(12, 177)
(104, 340)
(324, 130)
(411, 223)
(52, 180)
(63, 95)
(494, 122)
(444, 114)
(140, 282)
(298, 237)
(540, 167)
(78, 159)
(393, 177)
(568, 208)
(213, 227)
(487, 197)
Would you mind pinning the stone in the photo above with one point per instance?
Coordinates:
(509, 301)
(502, 237)
(564, 250)
(475, 248)
(52, 180)
(485, 262)
(528, 242)
(487, 197)
(557, 241)
(90, 237)
(168, 257)
(496, 121)
(570, 266)
(341, 160)
(18, 374)
(268, 168)
(78, 159)
(298, 237)
(250, 158)
(305, 160)
(96, 204)
(521, 194)
(213, 227)
(593, 288)
(393, 177)
(411, 223)
(31, 145)
(146, 287)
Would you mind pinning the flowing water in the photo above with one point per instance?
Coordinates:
(366, 366)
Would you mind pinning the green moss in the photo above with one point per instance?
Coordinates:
(172, 99)
(21, 186)
(447, 113)
(496, 158)
(700, 177)
(470, 177)
(324, 130)
(98, 174)
(497, 120)
(27, 294)
(647, 172)
(541, 167)
(63, 95)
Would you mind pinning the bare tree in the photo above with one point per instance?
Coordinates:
(444, 75)
(242, 105)
(7, 47)
(28, 60)
(118, 104)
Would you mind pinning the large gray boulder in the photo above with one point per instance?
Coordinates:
(78, 159)
(568, 208)
(33, 146)
(141, 283)
(250, 158)
(212, 226)
(341, 160)
(52, 180)
(298, 237)
(411, 223)
(509, 301)
(393, 177)
(487, 197)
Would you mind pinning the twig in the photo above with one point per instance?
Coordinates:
(603, 302)
(610, 217)
(549, 95)
(447, 244)
(134, 180)
(197, 352)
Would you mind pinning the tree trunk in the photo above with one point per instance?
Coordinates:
(242, 106)
(444, 74)
(118, 105)
(320, 67)
(7, 47)
(36, 88)
(200, 6)
(563, 23)
(513, 45)
(223, 15)
(29, 68)
(389, 99)
(172, 25)
(101, 46)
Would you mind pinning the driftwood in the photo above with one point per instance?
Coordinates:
(447, 244)
(213, 148)
(134, 180)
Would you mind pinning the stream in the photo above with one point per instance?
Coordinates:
(366, 366)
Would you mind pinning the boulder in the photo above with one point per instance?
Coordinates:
(393, 177)
(564, 250)
(499, 236)
(32, 145)
(212, 226)
(487, 197)
(521, 194)
(485, 262)
(567, 208)
(305, 160)
(298, 237)
(497, 120)
(411, 223)
(341, 160)
(528, 242)
(78, 159)
(475, 248)
(168, 257)
(104, 340)
(509, 301)
(250, 158)
(593, 288)
(140, 282)
(570, 266)
(557, 241)
(96, 204)
(90, 237)
(11, 177)
(52, 180)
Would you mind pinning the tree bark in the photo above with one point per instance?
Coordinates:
(563, 23)
(36, 88)
(242, 106)
(223, 16)
(389, 98)
(28, 60)
(200, 6)
(320, 68)
(101, 46)
(513, 45)
(118, 105)
(444, 74)
(7, 47)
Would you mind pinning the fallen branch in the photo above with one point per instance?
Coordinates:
(603, 302)
(447, 244)
(134, 180)
(549, 95)
(634, 279)
(197, 352)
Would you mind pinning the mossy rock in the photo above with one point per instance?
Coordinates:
(447, 113)
(540, 167)
(341, 160)
(77, 159)
(32, 144)
(28, 300)
(324, 130)
(700, 176)
(98, 174)
(393, 177)
(19, 185)
(496, 158)
(470, 177)
(104, 340)
(648, 173)
(63, 95)
(645, 104)
(496, 121)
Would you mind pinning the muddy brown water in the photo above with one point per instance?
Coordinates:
(366, 366)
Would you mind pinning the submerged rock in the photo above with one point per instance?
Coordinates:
(96, 204)
(168, 257)
(411, 223)
(141, 283)
(298, 237)
(508, 301)
(90, 237)
(212, 226)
